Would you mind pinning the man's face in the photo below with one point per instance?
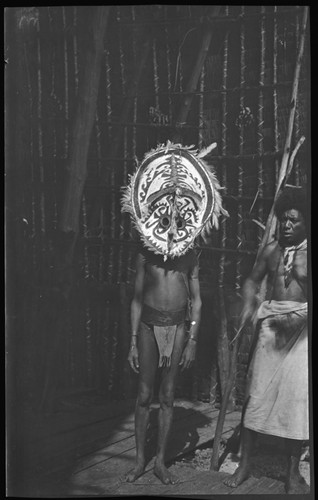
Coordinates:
(293, 227)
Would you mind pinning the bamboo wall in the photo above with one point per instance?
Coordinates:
(241, 102)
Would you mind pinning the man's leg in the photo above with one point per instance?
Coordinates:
(166, 398)
(295, 483)
(148, 363)
(243, 470)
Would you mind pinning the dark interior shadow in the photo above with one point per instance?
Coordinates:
(50, 446)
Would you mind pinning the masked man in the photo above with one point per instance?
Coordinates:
(172, 199)
(277, 402)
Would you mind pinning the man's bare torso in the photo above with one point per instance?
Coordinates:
(165, 286)
(297, 289)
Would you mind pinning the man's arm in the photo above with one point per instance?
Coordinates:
(252, 284)
(135, 311)
(188, 355)
(196, 303)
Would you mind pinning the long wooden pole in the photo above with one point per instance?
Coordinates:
(284, 172)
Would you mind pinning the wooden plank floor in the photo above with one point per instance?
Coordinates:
(88, 452)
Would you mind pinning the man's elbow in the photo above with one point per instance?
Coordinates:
(197, 304)
(136, 301)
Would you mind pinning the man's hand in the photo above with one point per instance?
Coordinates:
(188, 355)
(133, 358)
(246, 314)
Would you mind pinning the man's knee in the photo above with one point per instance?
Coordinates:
(166, 398)
(144, 397)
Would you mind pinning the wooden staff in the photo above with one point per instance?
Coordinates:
(284, 171)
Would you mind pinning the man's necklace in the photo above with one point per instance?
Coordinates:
(289, 258)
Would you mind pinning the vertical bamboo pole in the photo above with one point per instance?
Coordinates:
(260, 119)
(108, 95)
(180, 76)
(87, 325)
(134, 129)
(223, 346)
(40, 140)
(113, 357)
(238, 276)
(106, 228)
(135, 99)
(119, 217)
(66, 84)
(275, 98)
(168, 59)
(223, 352)
(54, 139)
(105, 350)
(297, 114)
(201, 108)
(75, 48)
(83, 208)
(155, 74)
(32, 149)
(79, 329)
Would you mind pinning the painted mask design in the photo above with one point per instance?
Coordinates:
(173, 198)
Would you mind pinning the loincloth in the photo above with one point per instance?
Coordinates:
(277, 383)
(164, 325)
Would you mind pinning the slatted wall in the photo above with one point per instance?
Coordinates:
(241, 102)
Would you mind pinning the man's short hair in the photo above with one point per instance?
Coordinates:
(291, 198)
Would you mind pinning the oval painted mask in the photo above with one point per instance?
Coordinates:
(172, 198)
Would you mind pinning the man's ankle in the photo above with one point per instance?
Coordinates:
(159, 460)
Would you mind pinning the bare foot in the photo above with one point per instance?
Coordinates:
(164, 475)
(241, 473)
(296, 485)
(136, 472)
